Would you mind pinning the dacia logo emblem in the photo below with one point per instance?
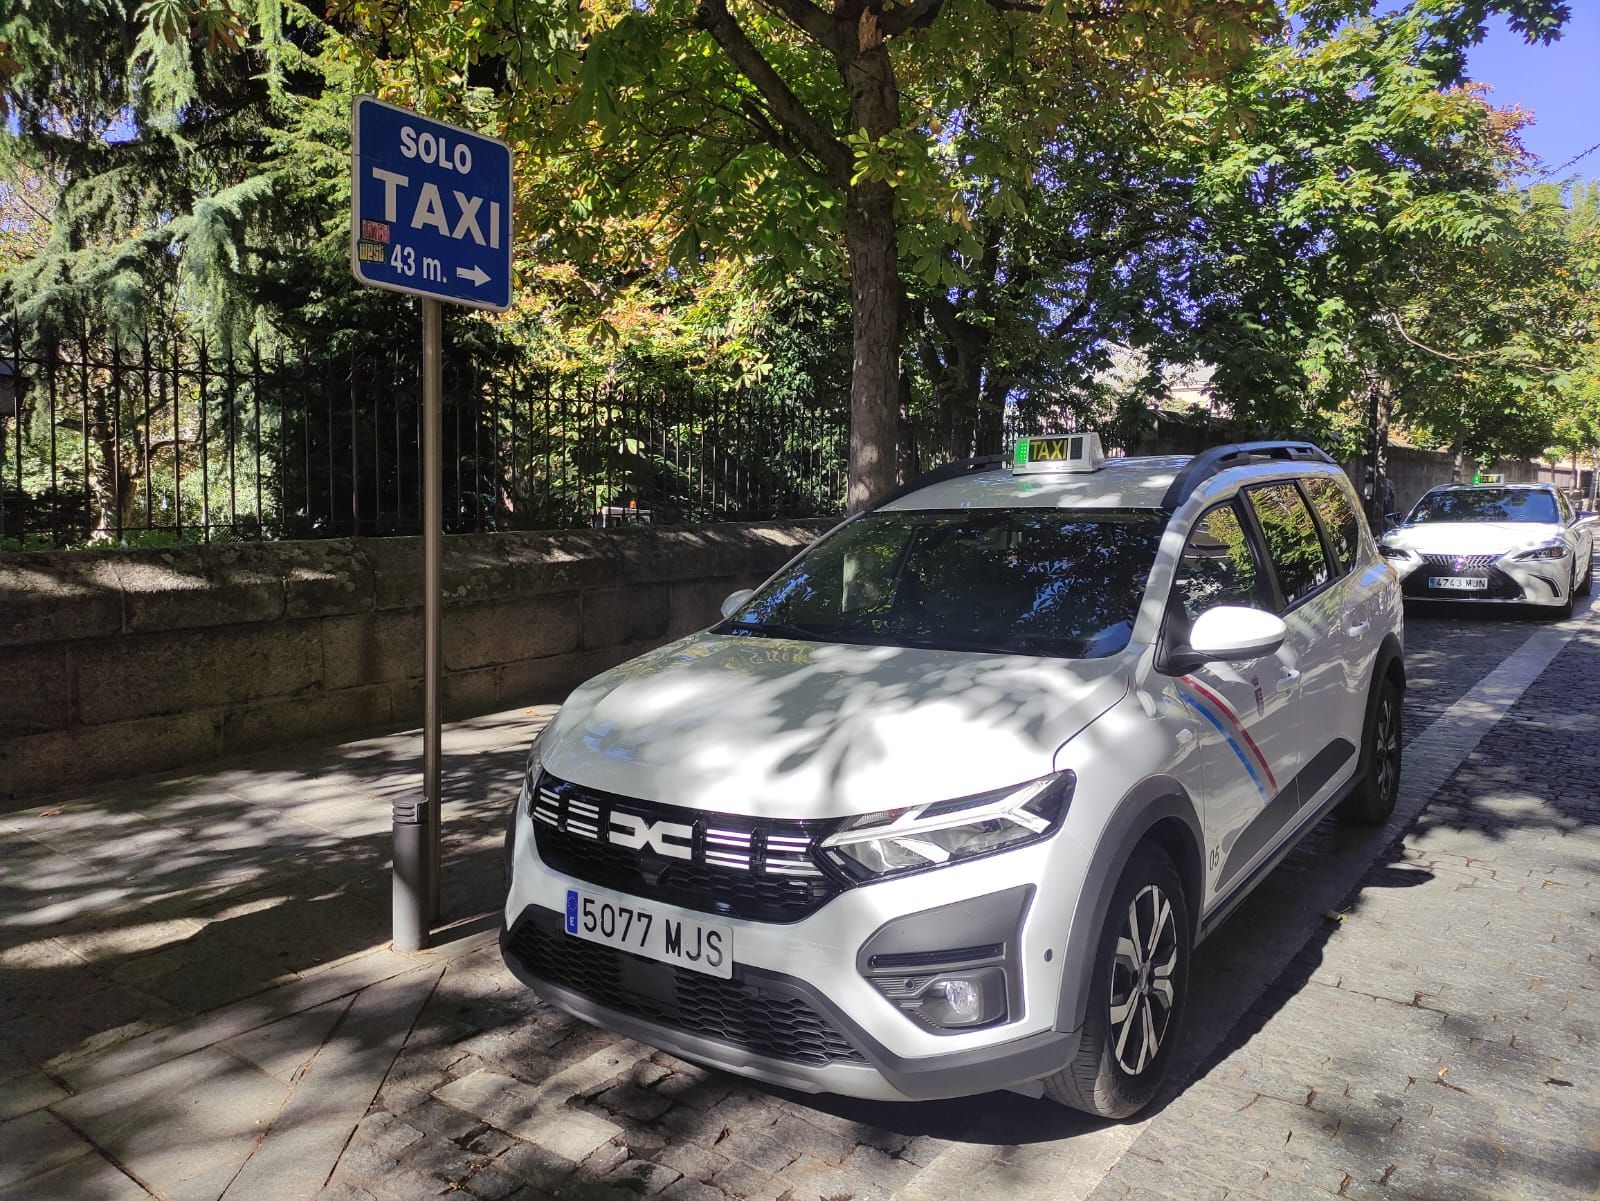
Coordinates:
(670, 839)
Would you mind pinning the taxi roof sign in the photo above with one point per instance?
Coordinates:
(1059, 453)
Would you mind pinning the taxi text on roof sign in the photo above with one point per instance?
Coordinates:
(430, 207)
(1058, 453)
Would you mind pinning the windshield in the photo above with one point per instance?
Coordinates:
(1486, 504)
(1023, 581)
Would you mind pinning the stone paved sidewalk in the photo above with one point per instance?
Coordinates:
(198, 1002)
(194, 970)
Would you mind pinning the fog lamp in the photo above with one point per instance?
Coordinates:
(954, 1000)
(962, 997)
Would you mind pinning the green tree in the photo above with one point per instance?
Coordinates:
(796, 135)
(1359, 243)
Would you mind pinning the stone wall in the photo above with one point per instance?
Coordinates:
(118, 663)
(1413, 472)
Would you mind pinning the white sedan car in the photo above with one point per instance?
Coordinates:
(1506, 543)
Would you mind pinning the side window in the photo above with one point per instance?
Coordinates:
(1566, 506)
(1292, 540)
(1219, 565)
(1339, 518)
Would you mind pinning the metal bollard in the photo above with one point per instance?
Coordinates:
(411, 884)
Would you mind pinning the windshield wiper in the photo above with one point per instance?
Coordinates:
(772, 629)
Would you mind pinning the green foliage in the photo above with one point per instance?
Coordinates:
(1361, 238)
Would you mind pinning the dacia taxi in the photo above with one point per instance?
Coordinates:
(946, 804)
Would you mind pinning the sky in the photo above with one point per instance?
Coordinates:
(1559, 83)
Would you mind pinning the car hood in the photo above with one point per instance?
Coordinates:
(773, 727)
(1470, 537)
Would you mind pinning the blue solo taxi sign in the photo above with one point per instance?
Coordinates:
(430, 207)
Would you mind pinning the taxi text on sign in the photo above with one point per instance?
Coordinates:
(431, 207)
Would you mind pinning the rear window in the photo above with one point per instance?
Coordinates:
(1486, 504)
(1055, 582)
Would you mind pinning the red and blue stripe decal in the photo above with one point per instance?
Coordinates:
(1216, 711)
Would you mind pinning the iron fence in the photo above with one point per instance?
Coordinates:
(174, 439)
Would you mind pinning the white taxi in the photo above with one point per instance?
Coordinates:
(945, 805)
(1520, 544)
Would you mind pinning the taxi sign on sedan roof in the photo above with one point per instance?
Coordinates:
(1058, 453)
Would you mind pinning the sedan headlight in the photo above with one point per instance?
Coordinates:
(1545, 550)
(1393, 552)
(898, 841)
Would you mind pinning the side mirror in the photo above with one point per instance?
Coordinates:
(1233, 632)
(1587, 514)
(736, 601)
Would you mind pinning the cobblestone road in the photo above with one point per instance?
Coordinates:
(1441, 1038)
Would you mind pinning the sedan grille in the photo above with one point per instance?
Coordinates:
(761, 869)
(762, 1017)
(1461, 563)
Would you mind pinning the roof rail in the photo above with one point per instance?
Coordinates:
(1236, 454)
(938, 475)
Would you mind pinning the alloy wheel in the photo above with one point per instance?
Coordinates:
(1142, 992)
(1386, 748)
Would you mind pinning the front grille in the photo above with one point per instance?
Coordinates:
(762, 1018)
(1461, 564)
(760, 869)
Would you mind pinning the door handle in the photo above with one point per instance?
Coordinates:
(1288, 680)
(1360, 628)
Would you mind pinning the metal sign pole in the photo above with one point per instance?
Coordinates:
(430, 216)
(432, 654)
(417, 820)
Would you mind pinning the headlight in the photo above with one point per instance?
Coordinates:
(530, 773)
(1393, 552)
(926, 836)
(1545, 550)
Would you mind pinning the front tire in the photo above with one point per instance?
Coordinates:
(1137, 994)
(1373, 799)
(1564, 610)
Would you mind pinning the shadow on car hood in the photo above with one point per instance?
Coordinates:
(768, 726)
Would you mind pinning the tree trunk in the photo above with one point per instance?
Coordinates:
(992, 413)
(1458, 463)
(1381, 413)
(113, 482)
(875, 286)
(908, 465)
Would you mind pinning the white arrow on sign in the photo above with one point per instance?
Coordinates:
(477, 275)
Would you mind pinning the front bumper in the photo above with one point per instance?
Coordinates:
(799, 1013)
(872, 1072)
(1510, 582)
